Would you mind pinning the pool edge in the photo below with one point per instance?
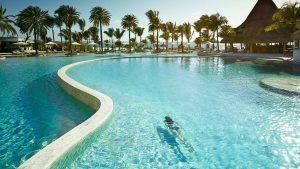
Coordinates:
(50, 154)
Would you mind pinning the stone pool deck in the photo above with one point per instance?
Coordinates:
(282, 85)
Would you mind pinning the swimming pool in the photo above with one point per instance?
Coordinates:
(223, 112)
(34, 110)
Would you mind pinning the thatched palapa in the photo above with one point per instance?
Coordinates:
(252, 30)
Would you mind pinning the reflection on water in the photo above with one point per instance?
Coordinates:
(228, 118)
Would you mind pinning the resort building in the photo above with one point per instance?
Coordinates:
(252, 32)
(7, 43)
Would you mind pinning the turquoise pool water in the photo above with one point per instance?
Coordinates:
(230, 121)
(34, 110)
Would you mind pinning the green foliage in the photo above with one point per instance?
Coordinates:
(81, 24)
(100, 16)
(6, 23)
(287, 16)
(129, 22)
(69, 16)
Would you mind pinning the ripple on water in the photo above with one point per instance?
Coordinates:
(223, 112)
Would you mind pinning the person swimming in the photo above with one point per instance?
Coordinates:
(170, 124)
(175, 130)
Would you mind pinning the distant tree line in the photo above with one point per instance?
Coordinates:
(33, 21)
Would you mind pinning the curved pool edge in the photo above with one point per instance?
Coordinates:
(50, 154)
(282, 86)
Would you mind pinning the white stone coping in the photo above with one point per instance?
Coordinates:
(56, 150)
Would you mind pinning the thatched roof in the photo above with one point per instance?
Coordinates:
(252, 30)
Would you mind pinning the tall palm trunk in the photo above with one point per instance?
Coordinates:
(167, 43)
(35, 42)
(45, 39)
(200, 36)
(62, 48)
(100, 25)
(112, 44)
(120, 45)
(60, 35)
(153, 44)
(172, 42)
(129, 40)
(182, 49)
(53, 35)
(218, 40)
(157, 45)
(70, 39)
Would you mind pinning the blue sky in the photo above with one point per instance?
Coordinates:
(170, 10)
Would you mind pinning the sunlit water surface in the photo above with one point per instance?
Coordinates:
(230, 121)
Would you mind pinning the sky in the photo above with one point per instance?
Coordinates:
(178, 11)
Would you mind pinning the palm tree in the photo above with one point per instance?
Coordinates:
(180, 30)
(118, 35)
(33, 20)
(106, 43)
(198, 26)
(176, 36)
(151, 39)
(216, 21)
(198, 42)
(172, 30)
(128, 22)
(287, 16)
(64, 33)
(110, 34)
(6, 23)
(228, 34)
(139, 31)
(188, 33)
(77, 36)
(165, 35)
(59, 23)
(43, 36)
(81, 24)
(144, 43)
(202, 26)
(70, 17)
(86, 35)
(94, 34)
(100, 17)
(51, 22)
(154, 24)
(206, 36)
